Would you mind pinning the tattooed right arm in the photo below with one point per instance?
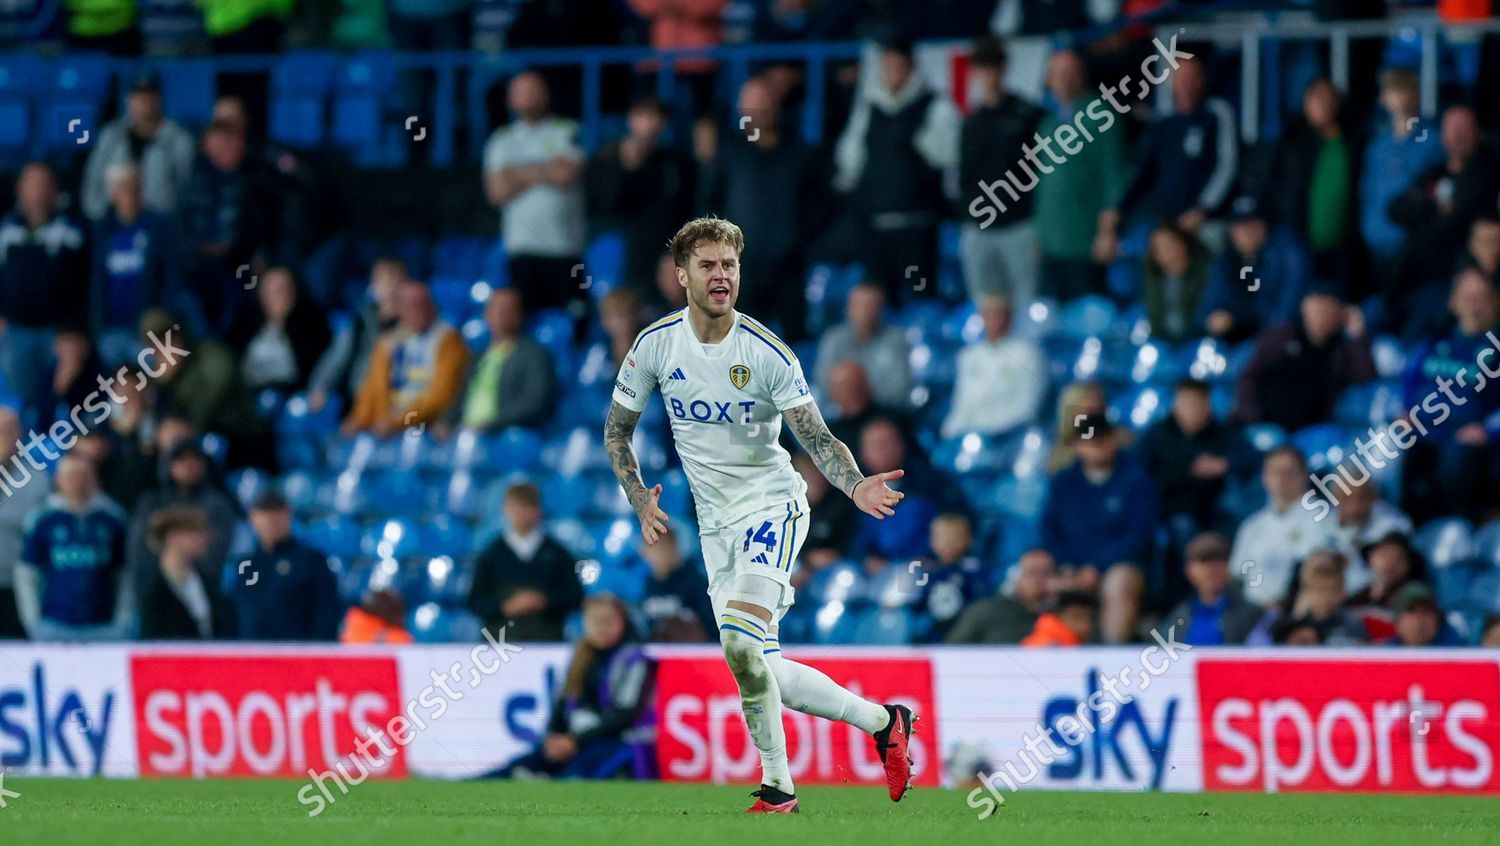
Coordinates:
(619, 428)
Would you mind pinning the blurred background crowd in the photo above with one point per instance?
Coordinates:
(1128, 386)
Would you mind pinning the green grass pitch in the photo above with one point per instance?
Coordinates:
(61, 812)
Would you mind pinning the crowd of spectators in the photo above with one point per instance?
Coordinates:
(1301, 249)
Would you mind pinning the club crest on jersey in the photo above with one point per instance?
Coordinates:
(740, 376)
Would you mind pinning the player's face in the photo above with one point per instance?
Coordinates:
(712, 278)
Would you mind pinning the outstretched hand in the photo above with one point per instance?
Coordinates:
(653, 519)
(874, 497)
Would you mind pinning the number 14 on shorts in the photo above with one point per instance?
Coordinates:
(764, 536)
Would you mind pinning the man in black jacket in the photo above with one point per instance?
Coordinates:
(891, 158)
(178, 603)
(1188, 455)
(524, 578)
(773, 185)
(285, 589)
(44, 275)
(642, 187)
(997, 241)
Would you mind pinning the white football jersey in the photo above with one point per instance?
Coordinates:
(725, 402)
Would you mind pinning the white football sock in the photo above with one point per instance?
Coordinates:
(760, 698)
(812, 692)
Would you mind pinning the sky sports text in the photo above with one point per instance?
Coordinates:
(1438, 404)
(1099, 720)
(403, 726)
(990, 205)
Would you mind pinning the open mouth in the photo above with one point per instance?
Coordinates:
(719, 293)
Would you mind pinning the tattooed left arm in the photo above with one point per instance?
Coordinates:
(836, 462)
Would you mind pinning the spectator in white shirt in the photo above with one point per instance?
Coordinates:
(1271, 541)
(865, 338)
(1001, 378)
(1363, 519)
(532, 173)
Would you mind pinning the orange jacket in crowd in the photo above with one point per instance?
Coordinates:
(684, 24)
(426, 389)
(1459, 11)
(1050, 631)
(360, 626)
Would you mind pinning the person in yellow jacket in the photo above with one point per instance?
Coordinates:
(416, 372)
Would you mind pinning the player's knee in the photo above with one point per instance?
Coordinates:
(743, 639)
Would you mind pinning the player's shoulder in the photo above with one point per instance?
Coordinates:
(654, 335)
(766, 343)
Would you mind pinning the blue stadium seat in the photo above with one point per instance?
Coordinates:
(1325, 445)
(1486, 545)
(432, 623)
(394, 537)
(1038, 320)
(884, 627)
(247, 485)
(363, 83)
(553, 329)
(1087, 316)
(576, 536)
(1390, 356)
(934, 364)
(298, 418)
(1154, 361)
(188, 91)
(1445, 542)
(1206, 359)
(335, 534)
(566, 496)
(604, 264)
(386, 492)
(445, 580)
(77, 86)
(300, 487)
(1021, 497)
(1264, 437)
(1369, 404)
(300, 84)
(1143, 406)
(577, 451)
(842, 581)
(459, 495)
(962, 325)
(443, 534)
(676, 497)
(21, 77)
(835, 622)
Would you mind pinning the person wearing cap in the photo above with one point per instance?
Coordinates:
(70, 580)
(1419, 620)
(900, 139)
(1257, 281)
(160, 149)
(183, 481)
(1392, 564)
(1217, 614)
(1299, 370)
(179, 603)
(283, 589)
(1100, 518)
(1270, 542)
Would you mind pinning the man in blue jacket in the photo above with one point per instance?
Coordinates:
(285, 589)
(1100, 518)
(1449, 468)
(1258, 280)
(70, 581)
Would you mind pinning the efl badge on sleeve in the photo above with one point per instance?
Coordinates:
(740, 376)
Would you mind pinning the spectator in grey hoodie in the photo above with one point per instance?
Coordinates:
(865, 338)
(144, 137)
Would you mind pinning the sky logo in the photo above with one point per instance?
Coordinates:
(52, 731)
(1110, 741)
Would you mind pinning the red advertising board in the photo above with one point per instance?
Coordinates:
(1336, 725)
(263, 715)
(702, 734)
